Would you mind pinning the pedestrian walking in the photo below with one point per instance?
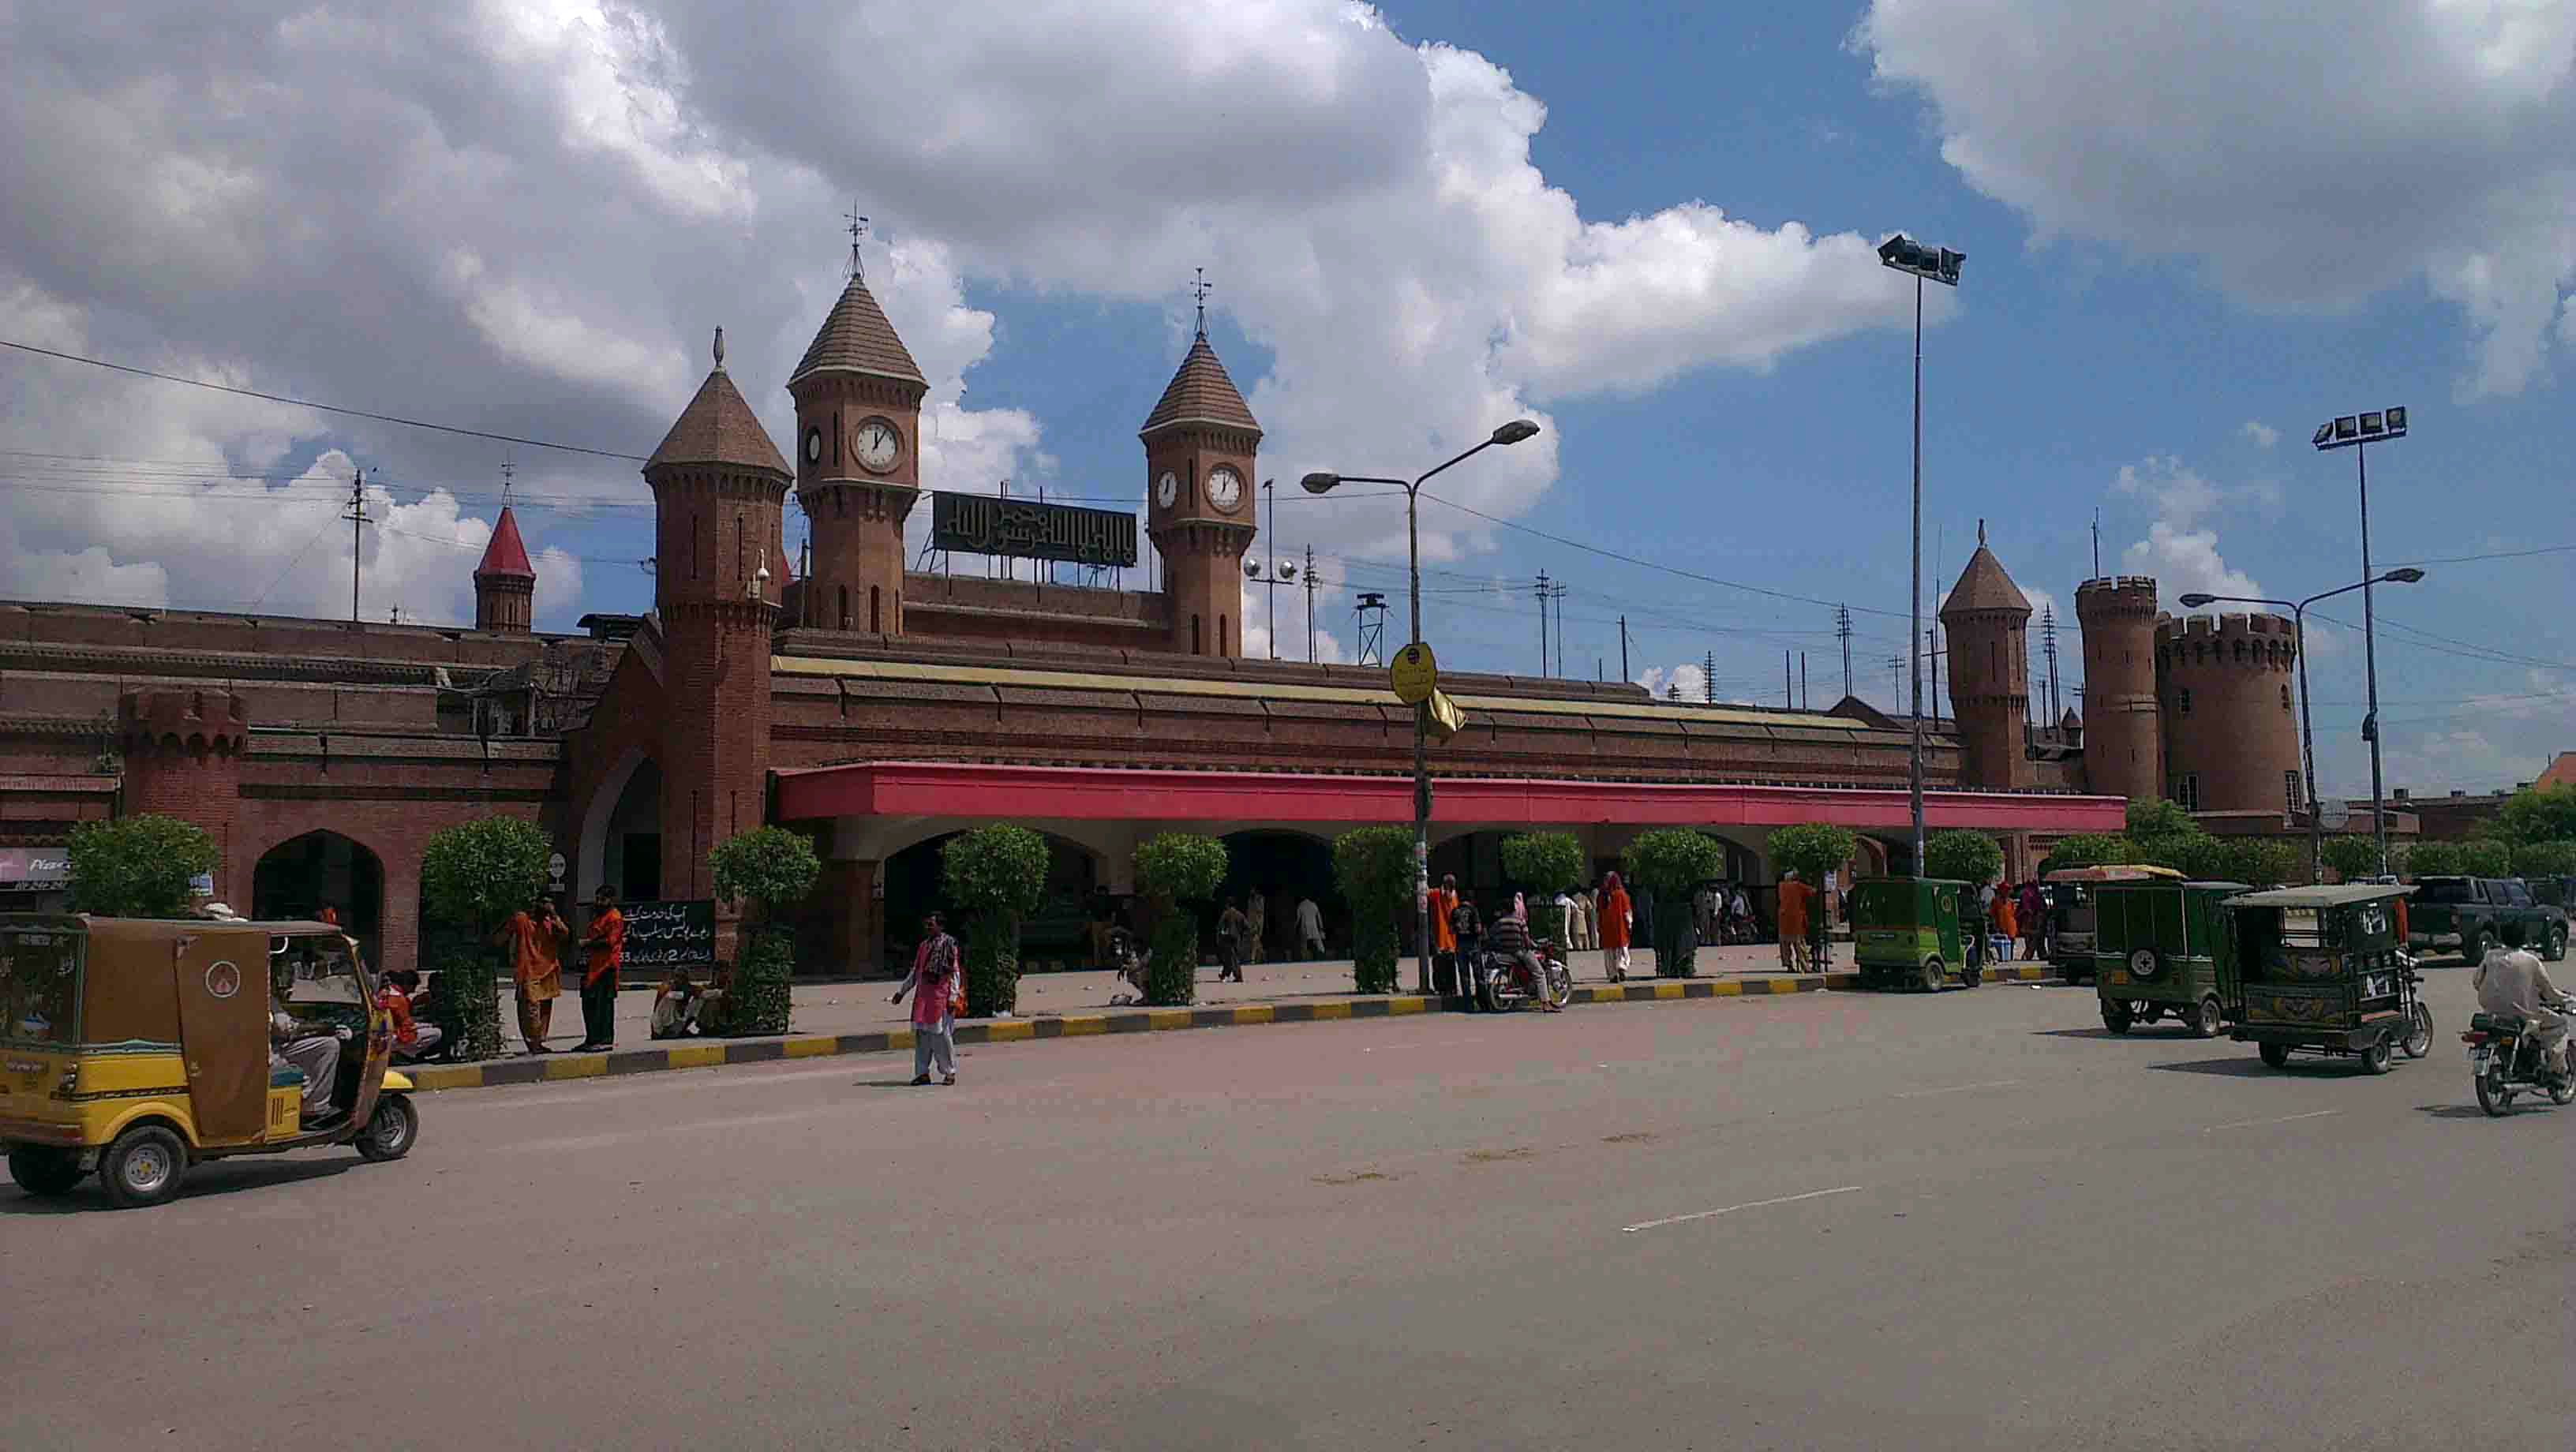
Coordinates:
(535, 939)
(1615, 925)
(933, 986)
(1795, 898)
(606, 949)
(1444, 936)
(1310, 930)
(1256, 916)
(1579, 936)
(2034, 920)
(1231, 925)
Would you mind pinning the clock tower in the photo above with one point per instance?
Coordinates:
(858, 463)
(1200, 447)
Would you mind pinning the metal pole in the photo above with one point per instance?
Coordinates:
(1914, 731)
(1421, 762)
(2308, 755)
(1623, 649)
(2369, 659)
(1269, 487)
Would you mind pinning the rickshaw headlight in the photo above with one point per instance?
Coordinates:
(70, 1082)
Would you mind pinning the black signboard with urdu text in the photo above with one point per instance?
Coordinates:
(670, 934)
(985, 524)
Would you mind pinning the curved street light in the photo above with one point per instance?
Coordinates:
(1324, 482)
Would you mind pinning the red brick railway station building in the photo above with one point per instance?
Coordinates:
(881, 708)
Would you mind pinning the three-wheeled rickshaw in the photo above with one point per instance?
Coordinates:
(2072, 921)
(2325, 970)
(1908, 932)
(2157, 949)
(138, 1047)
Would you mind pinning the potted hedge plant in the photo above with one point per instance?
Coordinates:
(769, 870)
(995, 875)
(1374, 868)
(1969, 857)
(1178, 871)
(1544, 864)
(1671, 863)
(472, 877)
(137, 867)
(1815, 851)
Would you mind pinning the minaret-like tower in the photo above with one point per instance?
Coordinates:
(719, 497)
(1987, 620)
(505, 584)
(2123, 739)
(1201, 444)
(858, 460)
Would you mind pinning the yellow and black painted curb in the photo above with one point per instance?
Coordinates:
(2010, 973)
(705, 1054)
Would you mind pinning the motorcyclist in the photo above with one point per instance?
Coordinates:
(1507, 941)
(2512, 981)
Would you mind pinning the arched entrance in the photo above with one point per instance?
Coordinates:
(1283, 867)
(1057, 932)
(621, 833)
(302, 875)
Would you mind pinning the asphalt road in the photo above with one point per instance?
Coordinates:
(1829, 1220)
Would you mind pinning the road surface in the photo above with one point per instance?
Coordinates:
(1829, 1220)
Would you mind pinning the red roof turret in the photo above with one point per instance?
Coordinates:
(506, 554)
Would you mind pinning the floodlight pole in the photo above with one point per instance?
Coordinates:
(1914, 576)
(2370, 661)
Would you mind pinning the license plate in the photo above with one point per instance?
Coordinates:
(2478, 1059)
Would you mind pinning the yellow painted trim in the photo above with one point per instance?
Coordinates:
(1090, 1023)
(451, 1076)
(1253, 1013)
(1331, 1010)
(127, 1073)
(1009, 1031)
(1668, 990)
(576, 1066)
(813, 1047)
(397, 1082)
(1729, 988)
(1168, 1018)
(696, 1056)
(899, 1038)
(1408, 1003)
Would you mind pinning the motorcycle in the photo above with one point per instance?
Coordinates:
(2503, 1062)
(1503, 983)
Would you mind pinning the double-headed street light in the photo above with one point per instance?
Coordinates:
(1324, 483)
(2307, 738)
(1941, 265)
(2357, 432)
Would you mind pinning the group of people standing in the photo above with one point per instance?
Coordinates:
(538, 940)
(2018, 912)
(1243, 929)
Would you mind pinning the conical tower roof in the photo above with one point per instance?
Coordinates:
(856, 338)
(1200, 392)
(1984, 586)
(506, 554)
(718, 428)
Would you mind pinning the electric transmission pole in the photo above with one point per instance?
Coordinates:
(358, 521)
(1541, 590)
(1843, 632)
(1708, 678)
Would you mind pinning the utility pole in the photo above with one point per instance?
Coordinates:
(1310, 604)
(2097, 542)
(1788, 684)
(1932, 653)
(1541, 590)
(1708, 678)
(1896, 674)
(1804, 700)
(1623, 649)
(2048, 649)
(358, 521)
(1556, 592)
(1843, 632)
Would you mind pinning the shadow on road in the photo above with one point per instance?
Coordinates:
(203, 1182)
(2082, 1033)
(2245, 1066)
(2471, 1111)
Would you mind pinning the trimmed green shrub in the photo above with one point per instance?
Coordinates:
(2536, 814)
(1969, 857)
(2483, 857)
(769, 870)
(2351, 855)
(1812, 849)
(2087, 849)
(1544, 864)
(1374, 868)
(137, 867)
(995, 875)
(1179, 871)
(2545, 859)
(2257, 861)
(2432, 859)
(1671, 863)
(472, 877)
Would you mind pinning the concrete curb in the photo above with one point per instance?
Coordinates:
(702, 1054)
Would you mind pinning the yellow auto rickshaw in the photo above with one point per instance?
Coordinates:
(138, 1047)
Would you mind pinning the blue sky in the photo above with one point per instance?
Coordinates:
(2185, 249)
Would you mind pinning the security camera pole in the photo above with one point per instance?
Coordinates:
(2357, 432)
(1324, 483)
(1941, 265)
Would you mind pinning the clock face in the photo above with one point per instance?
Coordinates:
(813, 446)
(877, 445)
(1225, 488)
(1167, 489)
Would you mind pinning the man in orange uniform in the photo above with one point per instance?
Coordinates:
(1795, 896)
(1444, 936)
(536, 941)
(607, 952)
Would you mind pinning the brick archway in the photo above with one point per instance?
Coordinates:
(321, 868)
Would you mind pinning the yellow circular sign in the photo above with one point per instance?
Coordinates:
(1415, 674)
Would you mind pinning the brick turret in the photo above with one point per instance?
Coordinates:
(1987, 620)
(505, 583)
(858, 464)
(2231, 722)
(2123, 740)
(183, 753)
(1201, 444)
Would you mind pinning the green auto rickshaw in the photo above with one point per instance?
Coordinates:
(2325, 970)
(2157, 948)
(1912, 932)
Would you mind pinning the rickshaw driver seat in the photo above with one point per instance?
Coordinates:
(301, 1045)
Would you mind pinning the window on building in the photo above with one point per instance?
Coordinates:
(2285, 698)
(1197, 646)
(1224, 636)
(2182, 701)
(2187, 791)
(876, 620)
(845, 607)
(2290, 790)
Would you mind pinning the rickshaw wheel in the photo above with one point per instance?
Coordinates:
(2275, 1056)
(44, 1171)
(2375, 1058)
(391, 1130)
(1932, 973)
(2206, 1017)
(2115, 1015)
(143, 1167)
(2419, 1033)
(1972, 975)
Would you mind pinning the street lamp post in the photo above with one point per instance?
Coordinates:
(1324, 483)
(1941, 265)
(2307, 735)
(2357, 432)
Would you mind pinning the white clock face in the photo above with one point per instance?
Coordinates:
(1167, 490)
(877, 445)
(813, 446)
(1225, 488)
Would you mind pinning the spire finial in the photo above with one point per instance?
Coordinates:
(719, 348)
(1199, 290)
(508, 470)
(858, 229)
(1981, 533)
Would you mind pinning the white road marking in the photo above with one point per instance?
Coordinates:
(1731, 1209)
(1430, 1044)
(2284, 1119)
(1958, 1089)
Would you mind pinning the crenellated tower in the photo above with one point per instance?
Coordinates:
(719, 495)
(1987, 620)
(1201, 444)
(2230, 718)
(2123, 741)
(183, 753)
(858, 462)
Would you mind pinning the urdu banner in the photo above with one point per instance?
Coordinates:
(985, 524)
